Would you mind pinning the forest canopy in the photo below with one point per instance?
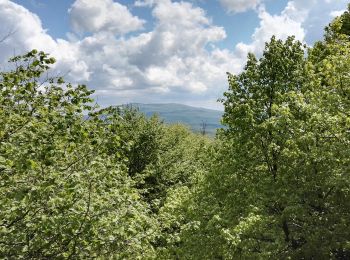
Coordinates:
(79, 181)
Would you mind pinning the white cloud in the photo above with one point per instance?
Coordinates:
(334, 14)
(303, 19)
(318, 16)
(175, 61)
(237, 6)
(171, 61)
(143, 3)
(103, 15)
(288, 23)
(29, 34)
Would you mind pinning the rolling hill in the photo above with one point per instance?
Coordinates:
(194, 117)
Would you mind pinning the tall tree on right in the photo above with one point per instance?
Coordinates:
(280, 187)
(329, 63)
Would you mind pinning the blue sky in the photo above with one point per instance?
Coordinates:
(157, 51)
(239, 26)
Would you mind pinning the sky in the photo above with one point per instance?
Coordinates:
(156, 51)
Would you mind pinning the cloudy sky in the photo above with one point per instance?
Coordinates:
(156, 51)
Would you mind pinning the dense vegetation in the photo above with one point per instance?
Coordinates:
(77, 181)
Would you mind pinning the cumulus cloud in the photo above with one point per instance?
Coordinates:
(29, 34)
(237, 6)
(175, 61)
(172, 60)
(334, 14)
(289, 22)
(143, 3)
(318, 16)
(103, 15)
(303, 19)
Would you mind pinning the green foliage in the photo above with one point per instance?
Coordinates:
(166, 162)
(143, 135)
(279, 185)
(339, 27)
(64, 188)
(78, 182)
(182, 164)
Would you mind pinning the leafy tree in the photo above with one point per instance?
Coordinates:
(245, 188)
(165, 162)
(331, 93)
(144, 135)
(77, 181)
(279, 187)
(64, 188)
(182, 164)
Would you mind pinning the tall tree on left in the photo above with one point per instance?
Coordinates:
(64, 187)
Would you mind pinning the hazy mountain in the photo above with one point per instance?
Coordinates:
(194, 117)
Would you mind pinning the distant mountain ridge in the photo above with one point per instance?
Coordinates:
(194, 117)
